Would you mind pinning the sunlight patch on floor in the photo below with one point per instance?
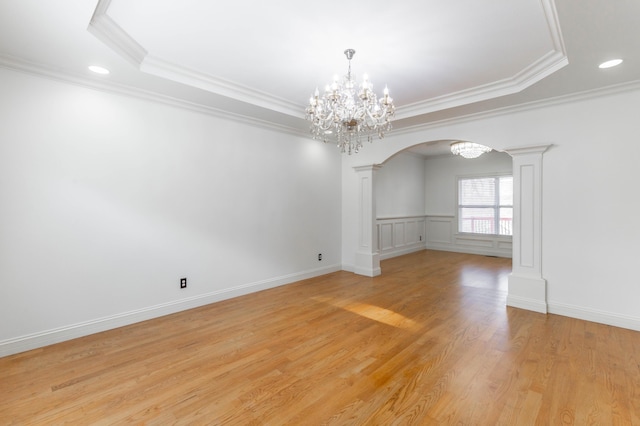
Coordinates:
(375, 313)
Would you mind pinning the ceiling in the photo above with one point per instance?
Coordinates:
(260, 61)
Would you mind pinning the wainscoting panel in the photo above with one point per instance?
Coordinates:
(414, 231)
(400, 235)
(439, 230)
(385, 239)
(441, 235)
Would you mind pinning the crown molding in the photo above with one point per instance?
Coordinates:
(551, 14)
(552, 61)
(110, 33)
(542, 68)
(170, 71)
(533, 105)
(105, 29)
(21, 65)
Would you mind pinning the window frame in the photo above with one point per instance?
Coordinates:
(496, 206)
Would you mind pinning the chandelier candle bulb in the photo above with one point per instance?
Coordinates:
(347, 116)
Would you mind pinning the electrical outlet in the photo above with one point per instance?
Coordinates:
(183, 283)
(319, 257)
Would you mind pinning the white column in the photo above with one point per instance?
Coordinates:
(367, 257)
(527, 288)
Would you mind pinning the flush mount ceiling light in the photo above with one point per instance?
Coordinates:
(346, 115)
(469, 149)
(610, 64)
(98, 69)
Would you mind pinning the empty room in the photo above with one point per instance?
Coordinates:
(351, 213)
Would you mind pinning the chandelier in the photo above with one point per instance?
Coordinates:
(469, 149)
(347, 114)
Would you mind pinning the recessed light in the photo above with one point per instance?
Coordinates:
(99, 70)
(611, 63)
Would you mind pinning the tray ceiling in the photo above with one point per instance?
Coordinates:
(260, 61)
(432, 54)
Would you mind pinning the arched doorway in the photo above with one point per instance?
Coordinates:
(527, 287)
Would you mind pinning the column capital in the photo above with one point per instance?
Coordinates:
(537, 149)
(369, 168)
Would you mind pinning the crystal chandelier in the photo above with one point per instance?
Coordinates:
(469, 149)
(346, 114)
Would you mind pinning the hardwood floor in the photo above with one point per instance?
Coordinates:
(428, 342)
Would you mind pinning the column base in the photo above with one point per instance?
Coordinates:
(527, 293)
(367, 264)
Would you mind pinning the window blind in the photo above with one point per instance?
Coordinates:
(485, 205)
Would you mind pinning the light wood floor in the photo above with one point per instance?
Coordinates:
(429, 342)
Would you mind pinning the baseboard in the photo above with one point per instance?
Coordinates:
(526, 303)
(367, 272)
(395, 253)
(593, 315)
(57, 335)
(469, 250)
(348, 267)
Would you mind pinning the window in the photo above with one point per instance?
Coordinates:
(485, 205)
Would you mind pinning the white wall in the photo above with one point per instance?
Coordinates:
(107, 200)
(591, 237)
(589, 226)
(399, 186)
(399, 189)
